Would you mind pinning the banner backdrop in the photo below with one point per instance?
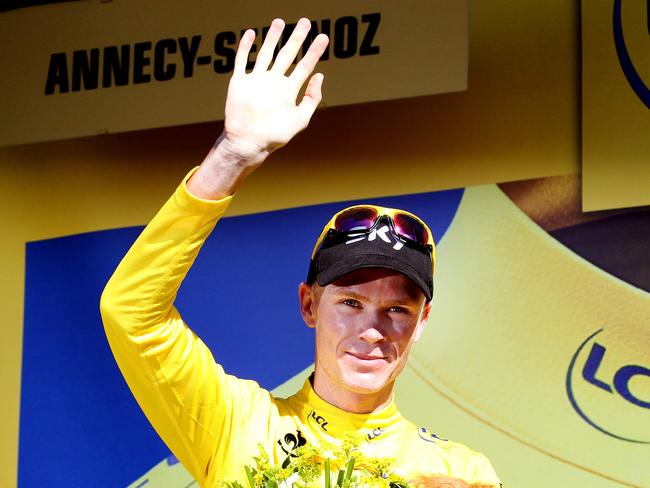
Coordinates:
(533, 354)
(97, 67)
(524, 83)
(615, 104)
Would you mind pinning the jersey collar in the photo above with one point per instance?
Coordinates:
(335, 421)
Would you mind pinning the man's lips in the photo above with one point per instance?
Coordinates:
(366, 357)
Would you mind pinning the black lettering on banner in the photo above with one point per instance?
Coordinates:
(163, 71)
(132, 63)
(345, 37)
(221, 41)
(188, 52)
(116, 65)
(57, 74)
(367, 48)
(86, 69)
(140, 61)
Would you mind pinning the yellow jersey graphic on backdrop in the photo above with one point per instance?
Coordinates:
(525, 314)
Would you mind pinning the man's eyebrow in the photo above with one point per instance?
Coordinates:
(349, 293)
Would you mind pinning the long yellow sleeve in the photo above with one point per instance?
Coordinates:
(183, 392)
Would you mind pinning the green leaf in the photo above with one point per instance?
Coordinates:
(350, 467)
(396, 484)
(327, 473)
(249, 475)
(339, 480)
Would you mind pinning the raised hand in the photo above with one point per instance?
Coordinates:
(262, 111)
(261, 106)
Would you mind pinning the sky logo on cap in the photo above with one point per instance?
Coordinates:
(382, 233)
(608, 385)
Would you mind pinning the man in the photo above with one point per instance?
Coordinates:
(367, 296)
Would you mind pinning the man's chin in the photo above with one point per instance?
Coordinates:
(365, 383)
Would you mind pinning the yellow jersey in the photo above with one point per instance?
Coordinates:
(213, 422)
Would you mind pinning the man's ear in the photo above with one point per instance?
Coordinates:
(308, 304)
(424, 318)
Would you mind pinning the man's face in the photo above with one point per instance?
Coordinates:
(365, 324)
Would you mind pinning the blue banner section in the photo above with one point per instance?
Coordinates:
(79, 424)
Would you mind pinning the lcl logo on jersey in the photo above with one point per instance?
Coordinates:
(320, 420)
(374, 435)
(610, 394)
(383, 232)
(624, 58)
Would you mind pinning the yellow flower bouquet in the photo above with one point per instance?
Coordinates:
(322, 466)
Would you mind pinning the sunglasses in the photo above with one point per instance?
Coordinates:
(361, 220)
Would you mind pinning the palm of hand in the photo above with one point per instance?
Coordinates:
(261, 109)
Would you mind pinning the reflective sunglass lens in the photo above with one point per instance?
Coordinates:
(361, 218)
(411, 228)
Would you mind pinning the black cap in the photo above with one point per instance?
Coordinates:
(379, 249)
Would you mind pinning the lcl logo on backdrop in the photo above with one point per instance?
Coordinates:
(627, 65)
(610, 394)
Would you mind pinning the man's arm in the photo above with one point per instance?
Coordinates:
(188, 398)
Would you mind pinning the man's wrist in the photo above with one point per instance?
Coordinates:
(225, 167)
(240, 152)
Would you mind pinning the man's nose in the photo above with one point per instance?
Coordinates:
(372, 335)
(374, 328)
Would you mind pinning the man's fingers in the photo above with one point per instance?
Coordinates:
(307, 64)
(241, 59)
(289, 51)
(263, 60)
(312, 97)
